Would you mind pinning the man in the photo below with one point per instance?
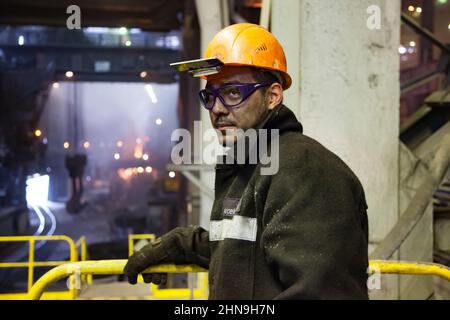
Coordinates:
(298, 234)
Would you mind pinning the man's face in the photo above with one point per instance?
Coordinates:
(244, 116)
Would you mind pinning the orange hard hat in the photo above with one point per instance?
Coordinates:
(246, 44)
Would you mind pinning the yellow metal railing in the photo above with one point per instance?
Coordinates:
(31, 264)
(112, 267)
(200, 292)
(410, 267)
(100, 267)
(133, 237)
(81, 247)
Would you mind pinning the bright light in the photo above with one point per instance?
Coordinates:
(402, 50)
(151, 93)
(135, 30)
(148, 169)
(140, 170)
(411, 50)
(119, 144)
(116, 156)
(158, 121)
(66, 145)
(21, 40)
(412, 43)
(55, 85)
(419, 10)
(86, 144)
(411, 8)
(37, 190)
(449, 26)
(172, 174)
(442, 1)
(145, 157)
(138, 140)
(123, 30)
(45, 141)
(37, 133)
(69, 74)
(143, 74)
(96, 30)
(128, 43)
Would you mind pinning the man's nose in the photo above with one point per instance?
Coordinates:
(219, 108)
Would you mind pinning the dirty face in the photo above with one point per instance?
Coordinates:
(248, 114)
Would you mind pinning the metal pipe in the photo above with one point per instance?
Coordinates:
(115, 267)
(424, 32)
(100, 267)
(414, 83)
(410, 267)
(31, 264)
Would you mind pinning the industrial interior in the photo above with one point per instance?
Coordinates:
(87, 114)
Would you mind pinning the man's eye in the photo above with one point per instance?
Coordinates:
(233, 92)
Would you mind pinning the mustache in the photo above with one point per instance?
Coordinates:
(223, 122)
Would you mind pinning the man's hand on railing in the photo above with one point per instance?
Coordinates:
(182, 245)
(166, 249)
(151, 254)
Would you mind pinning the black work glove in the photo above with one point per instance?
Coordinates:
(180, 246)
(151, 254)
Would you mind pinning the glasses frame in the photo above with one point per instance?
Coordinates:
(246, 88)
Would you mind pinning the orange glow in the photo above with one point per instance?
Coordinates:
(138, 149)
(128, 173)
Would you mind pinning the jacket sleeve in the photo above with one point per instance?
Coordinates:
(315, 232)
(186, 245)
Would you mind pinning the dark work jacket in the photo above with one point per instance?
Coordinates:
(299, 234)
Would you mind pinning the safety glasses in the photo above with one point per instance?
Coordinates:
(231, 95)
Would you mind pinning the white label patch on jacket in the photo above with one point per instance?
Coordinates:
(239, 227)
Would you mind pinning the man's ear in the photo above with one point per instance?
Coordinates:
(274, 95)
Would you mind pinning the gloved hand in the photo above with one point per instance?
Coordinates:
(180, 246)
(151, 254)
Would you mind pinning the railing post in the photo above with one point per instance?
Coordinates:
(73, 281)
(30, 264)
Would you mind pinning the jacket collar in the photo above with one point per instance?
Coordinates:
(281, 118)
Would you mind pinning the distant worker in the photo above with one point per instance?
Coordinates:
(301, 233)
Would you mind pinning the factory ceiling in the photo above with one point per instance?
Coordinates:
(151, 15)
